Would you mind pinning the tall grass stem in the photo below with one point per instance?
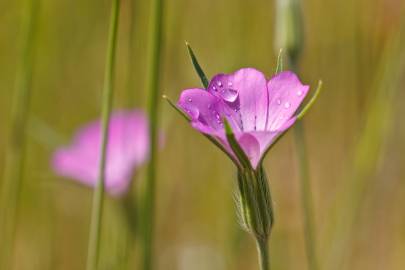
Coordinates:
(15, 152)
(290, 37)
(131, 55)
(148, 200)
(377, 124)
(107, 100)
(306, 198)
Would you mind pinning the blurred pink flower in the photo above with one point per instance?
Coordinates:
(128, 148)
(259, 111)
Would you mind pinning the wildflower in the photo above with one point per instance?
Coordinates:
(128, 148)
(244, 114)
(258, 111)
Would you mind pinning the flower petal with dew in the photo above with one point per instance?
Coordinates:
(128, 148)
(259, 111)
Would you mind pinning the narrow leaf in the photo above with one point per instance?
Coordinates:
(197, 67)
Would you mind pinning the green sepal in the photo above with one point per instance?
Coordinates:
(279, 66)
(254, 202)
(205, 82)
(174, 106)
(310, 102)
(236, 148)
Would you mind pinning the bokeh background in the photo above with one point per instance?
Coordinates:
(355, 132)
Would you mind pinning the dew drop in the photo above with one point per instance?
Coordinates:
(299, 93)
(217, 116)
(190, 100)
(214, 88)
(278, 101)
(219, 83)
(287, 105)
(229, 84)
(229, 95)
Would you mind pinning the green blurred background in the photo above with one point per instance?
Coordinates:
(355, 131)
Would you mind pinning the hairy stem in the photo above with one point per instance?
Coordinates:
(263, 250)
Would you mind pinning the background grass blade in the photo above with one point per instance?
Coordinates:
(149, 193)
(130, 96)
(108, 91)
(341, 227)
(16, 148)
(289, 36)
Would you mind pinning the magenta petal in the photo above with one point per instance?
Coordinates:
(267, 138)
(245, 92)
(202, 107)
(128, 148)
(286, 94)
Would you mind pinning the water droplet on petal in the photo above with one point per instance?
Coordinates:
(278, 101)
(287, 105)
(219, 83)
(189, 100)
(229, 84)
(229, 95)
(299, 93)
(217, 116)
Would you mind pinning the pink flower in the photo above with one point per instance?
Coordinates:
(128, 148)
(259, 111)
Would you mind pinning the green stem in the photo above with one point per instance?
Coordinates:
(306, 199)
(97, 208)
(263, 250)
(15, 153)
(148, 206)
(131, 55)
